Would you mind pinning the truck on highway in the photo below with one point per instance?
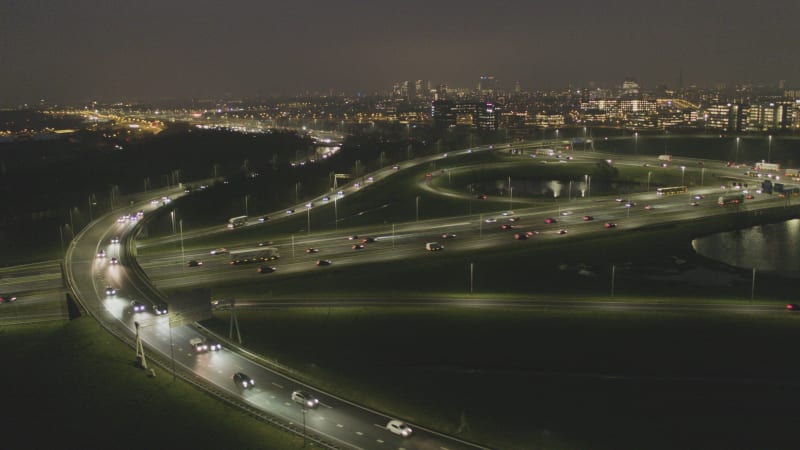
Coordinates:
(733, 198)
(434, 246)
(254, 255)
(665, 157)
(236, 222)
(767, 166)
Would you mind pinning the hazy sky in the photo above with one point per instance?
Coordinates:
(77, 50)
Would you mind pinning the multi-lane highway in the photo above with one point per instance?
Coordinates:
(336, 421)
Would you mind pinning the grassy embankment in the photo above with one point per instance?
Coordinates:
(72, 385)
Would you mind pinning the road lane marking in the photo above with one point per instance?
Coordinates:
(340, 425)
(359, 433)
(277, 385)
(379, 441)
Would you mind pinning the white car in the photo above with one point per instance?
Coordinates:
(305, 399)
(490, 220)
(399, 427)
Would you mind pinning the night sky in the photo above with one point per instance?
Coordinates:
(78, 50)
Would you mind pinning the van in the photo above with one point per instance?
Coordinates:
(434, 246)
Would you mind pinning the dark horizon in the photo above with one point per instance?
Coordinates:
(115, 50)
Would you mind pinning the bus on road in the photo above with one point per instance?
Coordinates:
(672, 190)
(236, 222)
(254, 255)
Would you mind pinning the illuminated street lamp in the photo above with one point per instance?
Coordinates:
(683, 172)
(769, 148)
(636, 140)
(737, 150)
(417, 215)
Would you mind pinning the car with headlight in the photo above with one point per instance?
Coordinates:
(490, 220)
(793, 307)
(160, 309)
(358, 246)
(587, 218)
(305, 398)
(562, 231)
(115, 240)
(101, 254)
(194, 263)
(137, 306)
(353, 237)
(7, 298)
(114, 261)
(550, 220)
(481, 197)
(610, 225)
(448, 235)
(266, 269)
(368, 240)
(324, 262)
(289, 211)
(111, 291)
(243, 380)
(213, 345)
(399, 427)
(218, 251)
(520, 236)
(312, 250)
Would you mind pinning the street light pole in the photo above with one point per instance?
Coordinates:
(172, 216)
(636, 139)
(183, 255)
(737, 150)
(648, 180)
(769, 148)
(417, 215)
(308, 219)
(683, 172)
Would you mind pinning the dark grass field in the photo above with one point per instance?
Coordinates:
(72, 385)
(539, 378)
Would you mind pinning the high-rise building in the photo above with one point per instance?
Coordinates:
(488, 84)
(443, 114)
(487, 116)
(630, 88)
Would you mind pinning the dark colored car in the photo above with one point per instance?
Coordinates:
(266, 269)
(550, 220)
(368, 240)
(243, 380)
(358, 246)
(324, 262)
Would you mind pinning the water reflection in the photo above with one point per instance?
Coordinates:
(772, 247)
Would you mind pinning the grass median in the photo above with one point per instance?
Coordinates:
(550, 378)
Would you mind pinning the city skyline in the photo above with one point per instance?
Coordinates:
(116, 50)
